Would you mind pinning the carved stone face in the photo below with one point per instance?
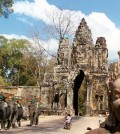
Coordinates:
(116, 98)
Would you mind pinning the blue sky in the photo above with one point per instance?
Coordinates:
(102, 16)
(109, 7)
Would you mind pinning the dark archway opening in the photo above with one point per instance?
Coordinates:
(77, 83)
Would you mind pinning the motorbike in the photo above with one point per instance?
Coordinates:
(67, 126)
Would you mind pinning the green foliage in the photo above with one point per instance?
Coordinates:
(11, 57)
(6, 7)
(26, 79)
(2, 82)
(13, 67)
(3, 40)
(20, 64)
(82, 98)
(35, 66)
(82, 109)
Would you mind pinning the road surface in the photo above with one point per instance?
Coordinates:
(54, 125)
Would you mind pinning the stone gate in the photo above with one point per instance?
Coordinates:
(83, 62)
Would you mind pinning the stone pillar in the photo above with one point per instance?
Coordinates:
(88, 100)
(70, 103)
(69, 91)
(68, 96)
(68, 99)
(88, 95)
(105, 100)
(104, 103)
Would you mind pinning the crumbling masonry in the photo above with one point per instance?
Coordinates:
(83, 62)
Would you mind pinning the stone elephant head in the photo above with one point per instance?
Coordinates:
(116, 98)
(112, 123)
(113, 120)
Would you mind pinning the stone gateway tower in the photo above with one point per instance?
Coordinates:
(80, 76)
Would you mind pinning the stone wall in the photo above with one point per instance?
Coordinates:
(83, 56)
(23, 91)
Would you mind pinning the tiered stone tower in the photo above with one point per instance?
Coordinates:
(84, 62)
(82, 47)
(114, 70)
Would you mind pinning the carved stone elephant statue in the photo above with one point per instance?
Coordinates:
(112, 123)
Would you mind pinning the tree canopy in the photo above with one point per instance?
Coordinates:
(22, 63)
(6, 7)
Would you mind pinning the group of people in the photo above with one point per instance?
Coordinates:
(13, 110)
(5, 102)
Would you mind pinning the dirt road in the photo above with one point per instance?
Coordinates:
(54, 125)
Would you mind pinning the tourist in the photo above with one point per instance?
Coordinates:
(34, 100)
(68, 119)
(107, 114)
(1, 96)
(100, 119)
(4, 105)
(66, 114)
(67, 123)
(18, 104)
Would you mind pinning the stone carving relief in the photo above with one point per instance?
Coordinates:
(83, 55)
(61, 69)
(63, 52)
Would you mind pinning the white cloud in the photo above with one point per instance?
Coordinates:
(51, 46)
(37, 9)
(99, 23)
(102, 26)
(14, 36)
(23, 19)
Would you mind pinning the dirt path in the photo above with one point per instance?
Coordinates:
(54, 125)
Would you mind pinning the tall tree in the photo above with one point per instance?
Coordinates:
(36, 58)
(12, 65)
(6, 7)
(61, 24)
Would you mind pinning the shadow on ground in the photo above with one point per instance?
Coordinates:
(44, 127)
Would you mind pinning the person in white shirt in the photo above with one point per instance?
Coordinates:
(68, 119)
(100, 119)
(67, 124)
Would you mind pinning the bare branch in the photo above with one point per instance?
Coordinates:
(61, 24)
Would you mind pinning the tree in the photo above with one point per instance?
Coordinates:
(12, 66)
(51, 64)
(61, 24)
(36, 57)
(82, 98)
(35, 64)
(6, 7)
(11, 58)
(22, 62)
(2, 82)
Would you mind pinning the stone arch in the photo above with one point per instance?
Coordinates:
(77, 84)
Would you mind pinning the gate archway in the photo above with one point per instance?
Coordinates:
(77, 84)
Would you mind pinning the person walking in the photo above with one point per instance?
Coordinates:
(100, 119)
(68, 121)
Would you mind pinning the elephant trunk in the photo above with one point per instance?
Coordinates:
(116, 108)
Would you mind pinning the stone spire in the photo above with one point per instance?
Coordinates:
(101, 42)
(83, 35)
(64, 52)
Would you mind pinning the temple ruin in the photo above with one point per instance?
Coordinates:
(82, 70)
(114, 69)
